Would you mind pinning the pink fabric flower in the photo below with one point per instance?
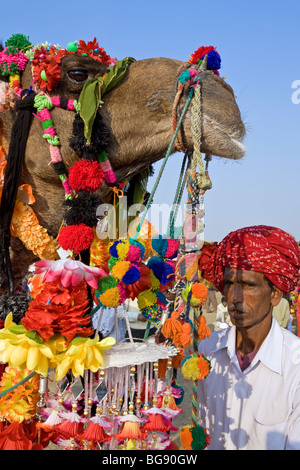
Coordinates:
(70, 272)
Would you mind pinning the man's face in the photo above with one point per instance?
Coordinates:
(249, 297)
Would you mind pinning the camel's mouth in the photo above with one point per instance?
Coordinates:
(223, 142)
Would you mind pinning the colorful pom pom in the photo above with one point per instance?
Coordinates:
(86, 175)
(196, 367)
(146, 299)
(194, 437)
(76, 237)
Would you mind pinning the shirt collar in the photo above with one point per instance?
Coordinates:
(270, 352)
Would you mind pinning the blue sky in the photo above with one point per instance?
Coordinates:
(260, 49)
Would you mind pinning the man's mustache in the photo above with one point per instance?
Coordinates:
(235, 309)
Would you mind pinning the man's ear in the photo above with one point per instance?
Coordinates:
(276, 296)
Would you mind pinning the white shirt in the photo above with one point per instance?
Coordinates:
(259, 408)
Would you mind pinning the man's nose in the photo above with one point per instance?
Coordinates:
(236, 295)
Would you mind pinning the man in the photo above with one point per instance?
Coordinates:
(222, 317)
(282, 313)
(251, 397)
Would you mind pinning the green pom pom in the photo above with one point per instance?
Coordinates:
(112, 261)
(72, 46)
(106, 283)
(18, 41)
(199, 438)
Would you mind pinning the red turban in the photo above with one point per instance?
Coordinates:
(264, 249)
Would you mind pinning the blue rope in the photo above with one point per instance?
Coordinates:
(187, 103)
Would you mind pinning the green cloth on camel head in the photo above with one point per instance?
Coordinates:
(89, 101)
(90, 96)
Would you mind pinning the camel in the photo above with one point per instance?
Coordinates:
(137, 113)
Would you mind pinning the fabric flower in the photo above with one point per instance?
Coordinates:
(20, 404)
(19, 436)
(46, 67)
(21, 350)
(92, 49)
(70, 272)
(59, 309)
(82, 353)
(25, 226)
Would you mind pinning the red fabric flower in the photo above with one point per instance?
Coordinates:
(205, 261)
(18, 436)
(86, 175)
(58, 309)
(76, 237)
(47, 62)
(93, 50)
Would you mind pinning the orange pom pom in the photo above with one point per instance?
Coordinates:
(199, 291)
(204, 367)
(203, 330)
(186, 438)
(183, 338)
(172, 326)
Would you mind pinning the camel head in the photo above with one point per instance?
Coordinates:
(134, 105)
(137, 112)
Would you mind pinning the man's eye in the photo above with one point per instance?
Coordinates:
(78, 75)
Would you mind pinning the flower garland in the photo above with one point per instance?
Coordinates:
(46, 61)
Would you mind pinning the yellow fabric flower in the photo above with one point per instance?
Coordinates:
(83, 353)
(24, 350)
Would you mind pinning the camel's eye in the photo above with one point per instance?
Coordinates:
(78, 75)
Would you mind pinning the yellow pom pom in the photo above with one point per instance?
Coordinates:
(120, 269)
(190, 369)
(196, 368)
(122, 248)
(147, 298)
(110, 298)
(155, 283)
